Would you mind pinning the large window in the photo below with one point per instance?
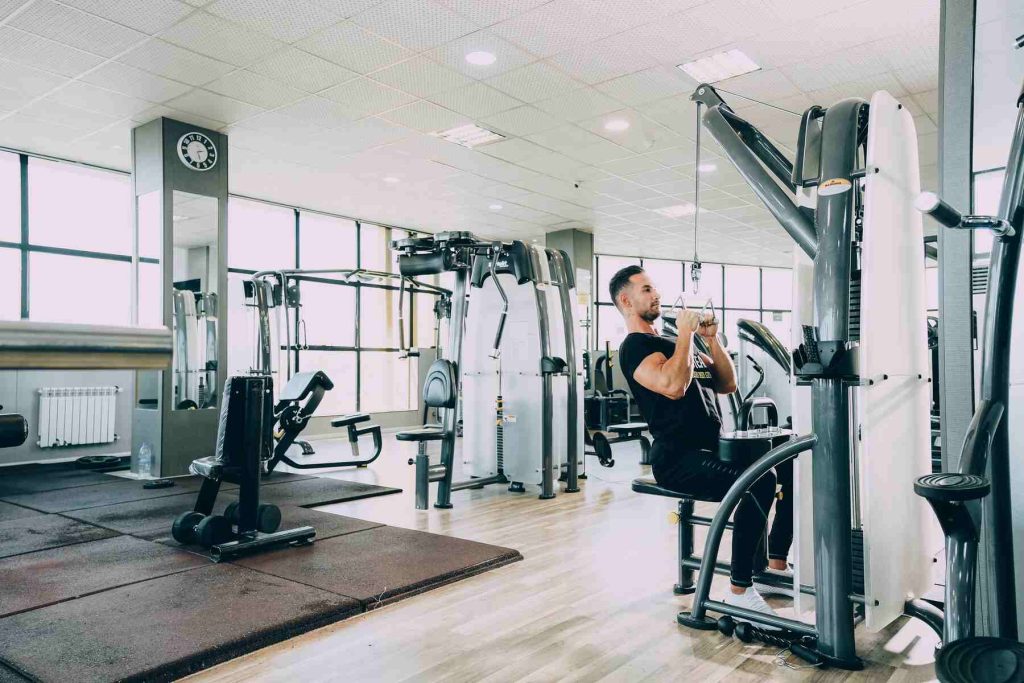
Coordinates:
(10, 198)
(78, 248)
(761, 294)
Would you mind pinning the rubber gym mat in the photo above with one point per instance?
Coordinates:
(383, 564)
(9, 511)
(47, 477)
(152, 519)
(49, 576)
(165, 628)
(29, 534)
(115, 490)
(10, 676)
(320, 491)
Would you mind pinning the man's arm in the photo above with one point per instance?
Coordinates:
(671, 377)
(720, 365)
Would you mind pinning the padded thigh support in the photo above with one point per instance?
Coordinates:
(440, 390)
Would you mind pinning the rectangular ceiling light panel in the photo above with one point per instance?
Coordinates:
(720, 67)
(469, 136)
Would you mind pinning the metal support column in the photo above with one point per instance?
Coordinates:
(956, 343)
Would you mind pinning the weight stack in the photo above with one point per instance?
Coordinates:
(857, 560)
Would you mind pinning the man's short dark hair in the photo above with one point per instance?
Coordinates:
(620, 280)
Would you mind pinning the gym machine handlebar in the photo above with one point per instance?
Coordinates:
(929, 203)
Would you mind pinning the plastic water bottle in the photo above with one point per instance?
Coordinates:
(145, 463)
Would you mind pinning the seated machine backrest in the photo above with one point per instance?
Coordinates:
(246, 419)
(441, 388)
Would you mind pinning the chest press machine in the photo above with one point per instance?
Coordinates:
(519, 383)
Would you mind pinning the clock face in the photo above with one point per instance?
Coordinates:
(197, 151)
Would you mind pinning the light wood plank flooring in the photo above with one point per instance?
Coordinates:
(592, 601)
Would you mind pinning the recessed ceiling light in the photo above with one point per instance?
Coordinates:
(496, 207)
(480, 58)
(616, 125)
(707, 168)
(719, 67)
(678, 210)
(390, 179)
(469, 136)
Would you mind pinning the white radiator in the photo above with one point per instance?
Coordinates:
(74, 416)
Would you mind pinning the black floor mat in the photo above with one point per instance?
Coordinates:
(30, 534)
(320, 491)
(50, 576)
(165, 628)
(115, 490)
(37, 478)
(8, 511)
(381, 564)
(120, 490)
(152, 519)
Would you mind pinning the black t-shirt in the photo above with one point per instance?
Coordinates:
(690, 423)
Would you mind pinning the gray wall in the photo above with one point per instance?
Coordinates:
(18, 394)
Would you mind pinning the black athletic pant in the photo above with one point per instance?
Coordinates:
(703, 475)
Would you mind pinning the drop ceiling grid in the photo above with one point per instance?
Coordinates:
(575, 61)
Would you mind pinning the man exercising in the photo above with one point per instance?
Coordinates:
(676, 389)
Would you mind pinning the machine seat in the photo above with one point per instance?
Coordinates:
(627, 428)
(208, 468)
(346, 420)
(649, 486)
(950, 487)
(426, 433)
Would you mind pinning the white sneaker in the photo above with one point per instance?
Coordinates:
(766, 589)
(752, 600)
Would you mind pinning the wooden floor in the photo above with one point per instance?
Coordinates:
(592, 601)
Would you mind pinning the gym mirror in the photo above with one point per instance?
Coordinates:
(194, 301)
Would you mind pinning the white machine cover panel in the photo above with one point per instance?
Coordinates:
(893, 413)
(803, 504)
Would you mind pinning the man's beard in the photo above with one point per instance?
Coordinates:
(650, 315)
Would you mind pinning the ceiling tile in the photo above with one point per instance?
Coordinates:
(416, 24)
(475, 100)
(513, 150)
(487, 12)
(647, 86)
(11, 99)
(255, 89)
(421, 77)
(425, 117)
(631, 165)
(220, 39)
(42, 53)
(506, 55)
(75, 28)
(355, 48)
(363, 96)
(135, 82)
(24, 132)
(171, 61)
(598, 153)
(522, 121)
(214, 106)
(603, 60)
(149, 17)
(929, 101)
(577, 105)
(319, 111)
(282, 19)
(564, 138)
(538, 81)
(98, 99)
(179, 115)
(302, 70)
(555, 27)
(65, 115)
(27, 80)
